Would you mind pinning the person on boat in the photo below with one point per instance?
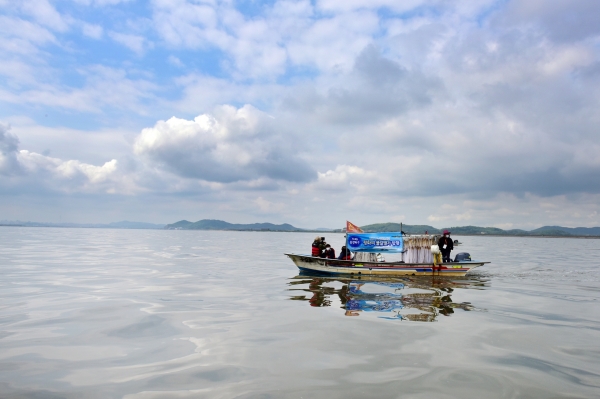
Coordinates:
(329, 252)
(446, 246)
(316, 247)
(322, 247)
(323, 243)
(345, 254)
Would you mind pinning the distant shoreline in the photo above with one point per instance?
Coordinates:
(523, 235)
(295, 231)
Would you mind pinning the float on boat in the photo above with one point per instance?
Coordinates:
(416, 257)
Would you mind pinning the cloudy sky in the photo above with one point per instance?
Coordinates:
(308, 112)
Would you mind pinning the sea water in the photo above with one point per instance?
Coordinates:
(100, 313)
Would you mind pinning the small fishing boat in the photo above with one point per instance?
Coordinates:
(415, 252)
(352, 267)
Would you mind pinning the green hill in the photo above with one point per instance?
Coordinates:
(477, 230)
(212, 224)
(559, 230)
(407, 228)
(181, 225)
(550, 231)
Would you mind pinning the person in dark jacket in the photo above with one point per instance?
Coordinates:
(323, 244)
(345, 254)
(322, 247)
(329, 252)
(446, 245)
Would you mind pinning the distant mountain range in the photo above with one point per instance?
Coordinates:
(212, 224)
(470, 230)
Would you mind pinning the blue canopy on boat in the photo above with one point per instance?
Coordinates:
(375, 242)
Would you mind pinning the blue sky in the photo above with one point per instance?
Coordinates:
(307, 112)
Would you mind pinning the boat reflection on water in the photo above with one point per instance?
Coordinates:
(401, 298)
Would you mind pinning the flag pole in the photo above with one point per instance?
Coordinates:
(346, 236)
(347, 249)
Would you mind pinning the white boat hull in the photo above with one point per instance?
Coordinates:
(350, 267)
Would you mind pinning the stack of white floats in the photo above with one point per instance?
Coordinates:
(418, 248)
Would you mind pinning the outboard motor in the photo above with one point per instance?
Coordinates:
(462, 257)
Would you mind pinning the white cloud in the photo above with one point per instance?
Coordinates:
(104, 88)
(72, 169)
(58, 175)
(263, 47)
(353, 5)
(331, 44)
(92, 30)
(268, 207)
(15, 31)
(136, 43)
(109, 2)
(449, 217)
(201, 92)
(44, 13)
(101, 3)
(561, 20)
(346, 178)
(19, 72)
(9, 143)
(566, 58)
(175, 61)
(182, 23)
(227, 146)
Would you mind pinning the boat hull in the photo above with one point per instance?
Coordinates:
(350, 267)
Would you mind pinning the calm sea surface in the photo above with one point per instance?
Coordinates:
(92, 313)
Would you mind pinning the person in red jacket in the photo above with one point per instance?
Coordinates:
(316, 247)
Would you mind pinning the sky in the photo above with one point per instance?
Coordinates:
(447, 113)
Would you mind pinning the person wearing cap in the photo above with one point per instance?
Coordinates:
(322, 246)
(446, 245)
(345, 254)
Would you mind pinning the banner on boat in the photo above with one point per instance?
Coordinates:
(375, 242)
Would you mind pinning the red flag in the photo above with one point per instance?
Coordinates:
(352, 228)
